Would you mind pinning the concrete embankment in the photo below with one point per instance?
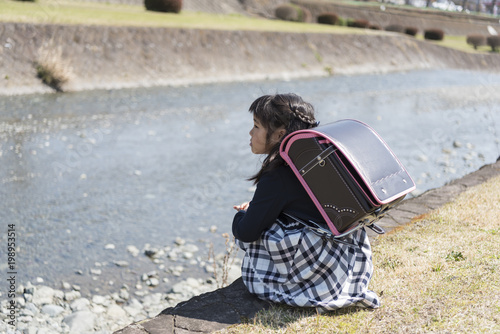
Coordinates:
(104, 57)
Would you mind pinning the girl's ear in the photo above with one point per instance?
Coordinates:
(281, 133)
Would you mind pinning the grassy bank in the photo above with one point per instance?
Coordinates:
(440, 274)
(73, 12)
(90, 13)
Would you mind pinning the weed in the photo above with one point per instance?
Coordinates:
(391, 263)
(51, 67)
(223, 266)
(455, 256)
(437, 267)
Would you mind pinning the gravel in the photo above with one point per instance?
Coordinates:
(42, 309)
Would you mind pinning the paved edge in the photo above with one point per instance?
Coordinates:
(233, 304)
(435, 198)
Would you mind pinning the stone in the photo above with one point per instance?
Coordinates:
(153, 281)
(124, 294)
(72, 295)
(52, 310)
(20, 301)
(46, 331)
(100, 300)
(98, 309)
(26, 312)
(133, 250)
(29, 288)
(179, 241)
(116, 312)
(151, 252)
(206, 313)
(132, 311)
(96, 272)
(122, 263)
(43, 295)
(80, 304)
(58, 295)
(32, 308)
(80, 322)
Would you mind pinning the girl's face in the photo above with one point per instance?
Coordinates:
(258, 138)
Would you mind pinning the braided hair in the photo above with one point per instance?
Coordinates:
(288, 111)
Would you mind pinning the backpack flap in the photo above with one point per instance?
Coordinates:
(369, 159)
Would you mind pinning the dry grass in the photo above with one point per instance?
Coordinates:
(223, 263)
(440, 274)
(51, 68)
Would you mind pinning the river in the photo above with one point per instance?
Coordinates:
(84, 175)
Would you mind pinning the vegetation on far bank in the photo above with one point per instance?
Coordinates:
(93, 13)
(439, 274)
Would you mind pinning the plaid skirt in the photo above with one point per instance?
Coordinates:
(291, 264)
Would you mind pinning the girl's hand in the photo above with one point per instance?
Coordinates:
(243, 206)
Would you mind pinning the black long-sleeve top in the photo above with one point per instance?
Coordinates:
(277, 191)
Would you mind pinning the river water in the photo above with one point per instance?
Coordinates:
(84, 175)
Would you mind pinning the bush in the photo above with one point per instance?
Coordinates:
(328, 18)
(166, 6)
(286, 12)
(395, 28)
(434, 34)
(306, 15)
(476, 40)
(374, 27)
(342, 22)
(294, 13)
(412, 31)
(494, 42)
(358, 23)
(52, 68)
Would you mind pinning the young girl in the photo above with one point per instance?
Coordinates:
(284, 261)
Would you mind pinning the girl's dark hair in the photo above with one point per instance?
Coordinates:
(276, 111)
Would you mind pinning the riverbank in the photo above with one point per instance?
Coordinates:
(401, 309)
(193, 306)
(36, 307)
(105, 57)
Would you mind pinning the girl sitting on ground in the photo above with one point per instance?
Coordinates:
(284, 261)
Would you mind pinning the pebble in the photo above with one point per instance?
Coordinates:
(42, 309)
(121, 263)
(52, 310)
(133, 250)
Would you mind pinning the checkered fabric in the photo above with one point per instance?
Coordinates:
(293, 265)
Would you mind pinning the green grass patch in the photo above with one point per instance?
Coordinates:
(458, 43)
(440, 274)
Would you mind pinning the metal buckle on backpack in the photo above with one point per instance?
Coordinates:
(318, 160)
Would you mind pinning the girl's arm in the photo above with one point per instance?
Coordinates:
(268, 201)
